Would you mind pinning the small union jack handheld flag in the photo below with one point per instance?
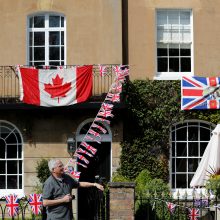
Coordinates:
(102, 70)
(171, 207)
(12, 204)
(35, 201)
(193, 214)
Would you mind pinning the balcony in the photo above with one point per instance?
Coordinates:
(9, 85)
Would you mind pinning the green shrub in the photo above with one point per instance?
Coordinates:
(42, 169)
(213, 184)
(117, 177)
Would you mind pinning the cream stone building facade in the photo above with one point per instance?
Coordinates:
(158, 39)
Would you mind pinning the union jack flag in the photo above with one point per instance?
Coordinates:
(12, 204)
(35, 201)
(200, 93)
(193, 214)
(96, 134)
(75, 174)
(102, 119)
(102, 70)
(83, 165)
(171, 207)
(113, 97)
(117, 87)
(89, 147)
(81, 151)
(116, 69)
(105, 114)
(103, 130)
(81, 158)
(92, 139)
(107, 106)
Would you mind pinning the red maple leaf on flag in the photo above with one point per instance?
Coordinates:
(57, 88)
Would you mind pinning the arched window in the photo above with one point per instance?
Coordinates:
(189, 141)
(46, 39)
(11, 158)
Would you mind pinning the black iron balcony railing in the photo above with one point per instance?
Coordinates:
(9, 84)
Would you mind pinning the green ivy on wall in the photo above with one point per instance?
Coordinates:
(153, 107)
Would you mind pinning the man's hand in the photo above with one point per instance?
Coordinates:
(67, 198)
(99, 186)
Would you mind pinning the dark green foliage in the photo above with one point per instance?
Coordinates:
(153, 107)
(42, 169)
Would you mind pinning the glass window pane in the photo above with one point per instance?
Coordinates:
(39, 38)
(185, 17)
(2, 148)
(20, 182)
(193, 134)
(173, 165)
(39, 21)
(62, 53)
(203, 146)
(11, 138)
(20, 166)
(54, 38)
(192, 165)
(2, 167)
(12, 182)
(173, 50)
(180, 165)
(185, 64)
(162, 52)
(30, 38)
(38, 63)
(190, 176)
(11, 151)
(31, 22)
(54, 21)
(193, 149)
(19, 150)
(161, 17)
(173, 149)
(205, 134)
(173, 181)
(62, 37)
(162, 64)
(30, 53)
(181, 181)
(54, 53)
(185, 50)
(181, 134)
(12, 167)
(174, 64)
(181, 149)
(173, 17)
(54, 63)
(62, 21)
(39, 53)
(2, 182)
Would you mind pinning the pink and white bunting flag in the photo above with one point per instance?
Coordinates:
(105, 114)
(102, 120)
(102, 70)
(106, 106)
(12, 204)
(89, 147)
(103, 130)
(117, 87)
(36, 203)
(94, 133)
(116, 69)
(75, 174)
(80, 164)
(171, 207)
(82, 158)
(87, 137)
(81, 151)
(113, 97)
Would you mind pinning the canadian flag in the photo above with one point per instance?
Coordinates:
(60, 87)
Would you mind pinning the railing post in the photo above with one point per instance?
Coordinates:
(122, 198)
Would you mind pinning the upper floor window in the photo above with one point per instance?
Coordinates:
(189, 141)
(174, 43)
(46, 40)
(11, 159)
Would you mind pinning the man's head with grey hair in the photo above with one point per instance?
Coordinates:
(52, 164)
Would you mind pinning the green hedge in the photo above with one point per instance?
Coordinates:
(153, 107)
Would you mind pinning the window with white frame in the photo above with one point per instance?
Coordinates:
(11, 158)
(46, 40)
(174, 43)
(189, 141)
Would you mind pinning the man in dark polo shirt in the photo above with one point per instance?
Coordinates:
(57, 190)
